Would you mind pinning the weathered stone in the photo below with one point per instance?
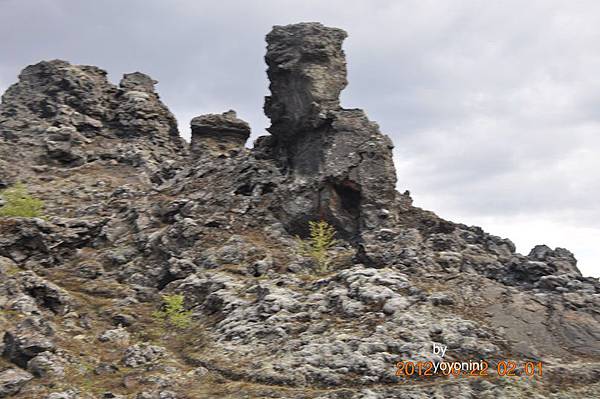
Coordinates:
(23, 238)
(46, 364)
(31, 337)
(66, 115)
(12, 380)
(561, 260)
(307, 71)
(142, 355)
(140, 112)
(71, 394)
(116, 336)
(340, 165)
(218, 134)
(137, 81)
(46, 294)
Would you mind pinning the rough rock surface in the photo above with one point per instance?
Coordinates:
(218, 134)
(62, 116)
(11, 381)
(132, 214)
(339, 166)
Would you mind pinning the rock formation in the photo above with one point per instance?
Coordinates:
(307, 71)
(132, 215)
(340, 166)
(218, 135)
(70, 115)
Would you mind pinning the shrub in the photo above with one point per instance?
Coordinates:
(19, 203)
(173, 313)
(319, 244)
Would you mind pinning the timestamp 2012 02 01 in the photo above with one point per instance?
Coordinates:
(480, 368)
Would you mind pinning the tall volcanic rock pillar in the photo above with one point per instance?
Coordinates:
(339, 165)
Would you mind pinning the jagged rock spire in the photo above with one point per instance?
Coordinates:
(341, 162)
(307, 70)
(139, 111)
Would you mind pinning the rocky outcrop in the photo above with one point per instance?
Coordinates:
(139, 111)
(218, 134)
(340, 166)
(56, 92)
(66, 116)
(63, 95)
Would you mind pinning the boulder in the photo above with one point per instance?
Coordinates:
(12, 380)
(116, 336)
(46, 364)
(560, 260)
(47, 295)
(142, 355)
(31, 337)
(137, 81)
(218, 134)
(70, 394)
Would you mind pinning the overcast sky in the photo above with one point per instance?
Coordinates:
(494, 107)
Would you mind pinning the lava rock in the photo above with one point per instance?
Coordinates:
(218, 134)
(341, 165)
(31, 337)
(46, 364)
(142, 355)
(12, 380)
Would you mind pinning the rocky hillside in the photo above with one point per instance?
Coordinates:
(134, 217)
